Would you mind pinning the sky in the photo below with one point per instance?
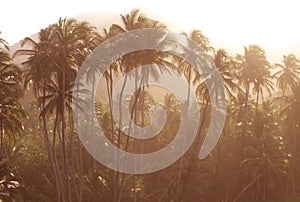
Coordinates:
(230, 24)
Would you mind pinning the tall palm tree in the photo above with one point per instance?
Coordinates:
(287, 74)
(193, 78)
(37, 73)
(130, 22)
(52, 67)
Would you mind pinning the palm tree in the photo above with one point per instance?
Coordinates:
(51, 68)
(73, 41)
(11, 111)
(37, 73)
(227, 71)
(11, 115)
(254, 69)
(265, 158)
(3, 43)
(237, 109)
(130, 22)
(193, 78)
(291, 123)
(287, 74)
(10, 74)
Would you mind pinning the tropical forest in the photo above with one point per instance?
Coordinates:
(43, 158)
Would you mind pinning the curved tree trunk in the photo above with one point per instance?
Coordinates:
(185, 130)
(127, 140)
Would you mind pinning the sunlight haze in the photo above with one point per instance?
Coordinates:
(229, 24)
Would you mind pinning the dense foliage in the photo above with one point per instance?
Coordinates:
(42, 158)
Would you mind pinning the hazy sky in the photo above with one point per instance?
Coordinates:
(274, 25)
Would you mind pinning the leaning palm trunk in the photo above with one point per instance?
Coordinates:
(189, 158)
(247, 187)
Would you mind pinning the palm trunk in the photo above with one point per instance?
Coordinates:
(73, 150)
(185, 130)
(134, 129)
(143, 125)
(59, 188)
(283, 96)
(93, 125)
(196, 140)
(63, 127)
(127, 141)
(247, 187)
(109, 87)
(54, 130)
(257, 98)
(80, 155)
(245, 118)
(51, 156)
(116, 174)
(2, 138)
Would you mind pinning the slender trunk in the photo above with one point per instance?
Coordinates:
(257, 98)
(80, 154)
(246, 104)
(2, 138)
(73, 157)
(111, 104)
(134, 130)
(109, 87)
(63, 127)
(127, 141)
(116, 174)
(185, 130)
(54, 152)
(108, 81)
(245, 118)
(196, 140)
(143, 125)
(93, 125)
(283, 96)
(54, 130)
(59, 188)
(51, 155)
(247, 187)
